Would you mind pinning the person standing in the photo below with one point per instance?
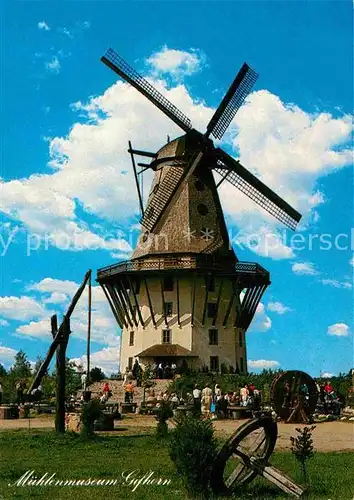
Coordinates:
(244, 395)
(197, 393)
(19, 391)
(217, 392)
(125, 378)
(83, 381)
(129, 391)
(107, 390)
(207, 398)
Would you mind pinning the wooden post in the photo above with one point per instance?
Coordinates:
(61, 378)
(88, 334)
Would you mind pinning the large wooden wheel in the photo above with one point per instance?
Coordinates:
(254, 439)
(294, 396)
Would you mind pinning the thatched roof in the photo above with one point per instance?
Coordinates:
(161, 350)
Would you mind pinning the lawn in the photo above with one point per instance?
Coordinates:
(107, 457)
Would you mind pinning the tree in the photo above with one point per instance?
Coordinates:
(3, 372)
(96, 374)
(302, 448)
(21, 367)
(72, 378)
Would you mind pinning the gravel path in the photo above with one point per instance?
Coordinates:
(328, 436)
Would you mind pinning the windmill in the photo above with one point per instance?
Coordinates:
(195, 291)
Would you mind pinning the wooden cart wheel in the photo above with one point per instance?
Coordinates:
(256, 438)
(283, 404)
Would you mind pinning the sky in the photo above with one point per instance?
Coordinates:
(68, 199)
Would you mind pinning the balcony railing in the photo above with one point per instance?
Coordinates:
(180, 263)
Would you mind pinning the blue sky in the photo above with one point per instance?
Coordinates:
(67, 181)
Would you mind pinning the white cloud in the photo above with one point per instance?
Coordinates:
(262, 364)
(107, 359)
(36, 329)
(21, 308)
(278, 307)
(304, 268)
(261, 322)
(339, 330)
(53, 65)
(177, 62)
(54, 286)
(337, 284)
(264, 241)
(7, 355)
(327, 375)
(3, 322)
(289, 150)
(286, 147)
(56, 298)
(66, 32)
(104, 329)
(42, 25)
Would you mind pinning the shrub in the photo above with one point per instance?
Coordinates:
(90, 412)
(302, 448)
(193, 449)
(223, 368)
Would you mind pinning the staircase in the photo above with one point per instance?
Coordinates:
(118, 391)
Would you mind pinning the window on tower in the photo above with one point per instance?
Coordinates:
(166, 336)
(168, 306)
(202, 209)
(214, 363)
(131, 338)
(168, 284)
(211, 310)
(213, 336)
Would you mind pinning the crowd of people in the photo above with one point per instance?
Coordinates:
(328, 400)
(208, 402)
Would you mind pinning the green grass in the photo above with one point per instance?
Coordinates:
(71, 457)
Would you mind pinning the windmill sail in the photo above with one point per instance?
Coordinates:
(122, 68)
(232, 101)
(261, 194)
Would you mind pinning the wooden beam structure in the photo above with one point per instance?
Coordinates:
(163, 303)
(150, 303)
(178, 311)
(218, 302)
(205, 300)
(119, 307)
(127, 300)
(114, 310)
(229, 307)
(63, 329)
(136, 302)
(193, 298)
(136, 180)
(138, 152)
(88, 332)
(121, 299)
